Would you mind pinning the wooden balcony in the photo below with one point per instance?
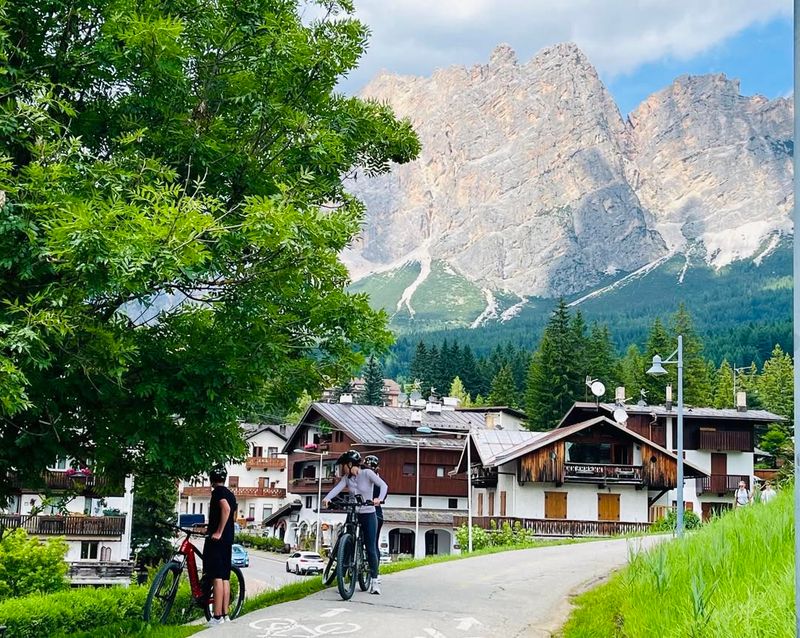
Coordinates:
(725, 440)
(100, 573)
(58, 481)
(265, 463)
(309, 485)
(484, 477)
(602, 473)
(66, 525)
(557, 527)
(721, 483)
(204, 491)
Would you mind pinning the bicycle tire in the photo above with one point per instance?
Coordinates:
(346, 575)
(362, 565)
(329, 573)
(162, 593)
(237, 596)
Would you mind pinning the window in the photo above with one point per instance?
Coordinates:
(309, 502)
(89, 550)
(272, 452)
(201, 508)
(87, 506)
(251, 513)
(194, 508)
(266, 512)
(258, 451)
(233, 481)
(413, 501)
(60, 464)
(452, 503)
(409, 469)
(439, 472)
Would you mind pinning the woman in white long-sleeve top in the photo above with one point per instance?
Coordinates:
(362, 481)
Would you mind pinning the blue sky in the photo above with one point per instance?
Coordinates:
(637, 46)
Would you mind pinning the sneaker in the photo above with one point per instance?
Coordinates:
(214, 622)
(375, 588)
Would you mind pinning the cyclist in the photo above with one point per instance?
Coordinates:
(219, 543)
(373, 462)
(362, 481)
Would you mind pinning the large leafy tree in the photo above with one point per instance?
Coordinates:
(172, 208)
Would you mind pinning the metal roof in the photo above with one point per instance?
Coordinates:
(493, 443)
(689, 412)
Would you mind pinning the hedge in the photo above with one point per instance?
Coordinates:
(266, 543)
(85, 609)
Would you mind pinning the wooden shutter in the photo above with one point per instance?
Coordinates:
(491, 504)
(502, 503)
(480, 504)
(555, 505)
(608, 507)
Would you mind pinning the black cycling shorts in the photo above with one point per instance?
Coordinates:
(217, 559)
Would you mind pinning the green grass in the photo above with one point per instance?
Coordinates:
(732, 578)
(137, 628)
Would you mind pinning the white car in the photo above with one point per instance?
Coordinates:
(305, 563)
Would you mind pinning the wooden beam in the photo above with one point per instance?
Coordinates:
(651, 501)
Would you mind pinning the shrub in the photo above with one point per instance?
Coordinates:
(670, 521)
(28, 565)
(85, 609)
(267, 544)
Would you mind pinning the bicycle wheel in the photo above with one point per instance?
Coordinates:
(346, 575)
(237, 596)
(362, 565)
(162, 593)
(329, 573)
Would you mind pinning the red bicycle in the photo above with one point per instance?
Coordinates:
(165, 585)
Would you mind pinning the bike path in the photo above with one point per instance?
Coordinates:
(519, 593)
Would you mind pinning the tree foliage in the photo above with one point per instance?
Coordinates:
(373, 383)
(154, 498)
(172, 208)
(28, 565)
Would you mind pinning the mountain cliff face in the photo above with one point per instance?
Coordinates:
(530, 183)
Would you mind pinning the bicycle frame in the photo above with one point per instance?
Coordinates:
(187, 555)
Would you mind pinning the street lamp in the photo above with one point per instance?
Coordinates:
(426, 430)
(319, 494)
(417, 443)
(657, 370)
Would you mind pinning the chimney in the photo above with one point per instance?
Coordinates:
(668, 397)
(346, 398)
(433, 407)
(741, 401)
(450, 403)
(619, 394)
(416, 416)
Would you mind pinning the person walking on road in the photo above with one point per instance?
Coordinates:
(219, 543)
(362, 481)
(373, 462)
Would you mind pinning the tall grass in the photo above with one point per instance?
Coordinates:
(732, 578)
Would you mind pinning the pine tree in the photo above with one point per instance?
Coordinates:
(776, 385)
(696, 382)
(633, 368)
(659, 343)
(723, 393)
(504, 390)
(373, 383)
(154, 498)
(581, 347)
(420, 368)
(468, 372)
(601, 362)
(457, 390)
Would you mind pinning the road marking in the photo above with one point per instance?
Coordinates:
(468, 623)
(333, 612)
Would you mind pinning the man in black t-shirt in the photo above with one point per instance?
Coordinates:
(219, 543)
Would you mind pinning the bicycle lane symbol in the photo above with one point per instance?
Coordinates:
(290, 628)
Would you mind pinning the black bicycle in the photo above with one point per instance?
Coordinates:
(348, 563)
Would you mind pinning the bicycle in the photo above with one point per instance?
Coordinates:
(347, 563)
(165, 585)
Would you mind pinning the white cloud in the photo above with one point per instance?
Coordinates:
(417, 36)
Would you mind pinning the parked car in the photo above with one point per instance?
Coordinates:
(305, 563)
(240, 557)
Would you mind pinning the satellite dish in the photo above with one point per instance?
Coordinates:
(597, 388)
(415, 395)
(620, 416)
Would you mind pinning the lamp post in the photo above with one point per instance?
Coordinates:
(319, 494)
(426, 430)
(417, 443)
(656, 370)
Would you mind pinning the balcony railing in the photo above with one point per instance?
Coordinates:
(557, 527)
(723, 440)
(265, 463)
(484, 477)
(66, 525)
(602, 473)
(58, 480)
(721, 483)
(252, 492)
(100, 573)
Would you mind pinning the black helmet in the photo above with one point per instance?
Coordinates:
(371, 461)
(351, 456)
(217, 474)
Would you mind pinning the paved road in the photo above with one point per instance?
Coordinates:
(267, 571)
(512, 594)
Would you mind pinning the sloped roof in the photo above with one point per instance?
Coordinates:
(252, 429)
(371, 424)
(513, 451)
(282, 511)
(490, 444)
(689, 412)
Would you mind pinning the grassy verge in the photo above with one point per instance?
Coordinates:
(733, 577)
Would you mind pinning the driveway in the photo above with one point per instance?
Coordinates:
(519, 593)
